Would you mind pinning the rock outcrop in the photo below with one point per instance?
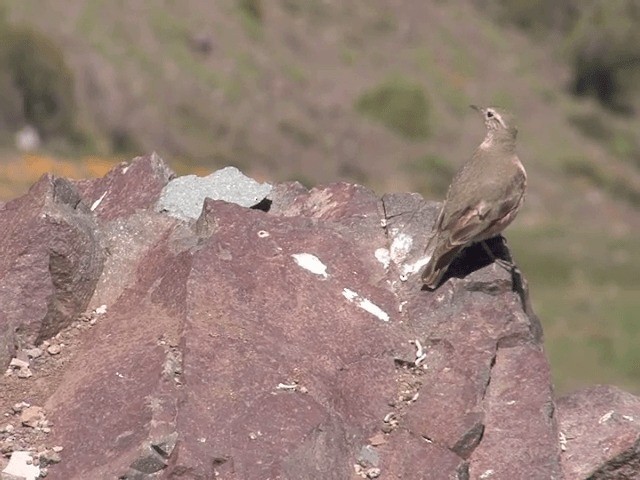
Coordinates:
(289, 340)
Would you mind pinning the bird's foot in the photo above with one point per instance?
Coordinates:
(507, 265)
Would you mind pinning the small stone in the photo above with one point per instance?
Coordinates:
(21, 466)
(183, 196)
(25, 373)
(6, 447)
(165, 445)
(18, 363)
(22, 355)
(46, 430)
(377, 439)
(32, 416)
(18, 407)
(368, 457)
(57, 448)
(373, 473)
(33, 352)
(149, 462)
(48, 457)
(407, 395)
(8, 428)
(386, 428)
(53, 349)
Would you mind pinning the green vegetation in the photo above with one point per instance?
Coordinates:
(400, 105)
(302, 179)
(295, 73)
(385, 23)
(617, 186)
(602, 40)
(348, 56)
(621, 142)
(11, 112)
(502, 99)
(297, 133)
(252, 15)
(252, 8)
(448, 85)
(623, 145)
(603, 45)
(33, 66)
(351, 170)
(432, 175)
(586, 295)
(294, 7)
(318, 10)
(591, 125)
(537, 17)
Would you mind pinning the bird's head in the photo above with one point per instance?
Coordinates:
(498, 121)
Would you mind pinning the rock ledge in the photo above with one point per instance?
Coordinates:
(291, 340)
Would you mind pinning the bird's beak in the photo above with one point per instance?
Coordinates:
(477, 108)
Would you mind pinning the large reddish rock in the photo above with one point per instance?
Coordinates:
(127, 188)
(50, 263)
(294, 341)
(600, 433)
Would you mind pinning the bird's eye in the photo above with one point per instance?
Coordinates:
(489, 114)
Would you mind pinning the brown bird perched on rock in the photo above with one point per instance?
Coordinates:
(483, 198)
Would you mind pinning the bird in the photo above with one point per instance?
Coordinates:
(483, 199)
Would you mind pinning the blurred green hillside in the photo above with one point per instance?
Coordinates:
(373, 91)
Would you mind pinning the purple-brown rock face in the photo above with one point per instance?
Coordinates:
(289, 341)
(600, 434)
(50, 262)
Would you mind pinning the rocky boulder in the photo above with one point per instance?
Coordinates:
(50, 263)
(281, 337)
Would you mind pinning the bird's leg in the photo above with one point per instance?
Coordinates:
(509, 266)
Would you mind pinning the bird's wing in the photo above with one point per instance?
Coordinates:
(482, 216)
(471, 224)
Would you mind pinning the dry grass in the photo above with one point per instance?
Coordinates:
(18, 173)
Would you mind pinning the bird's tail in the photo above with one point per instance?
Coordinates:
(442, 256)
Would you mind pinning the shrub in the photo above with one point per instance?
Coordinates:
(398, 104)
(37, 70)
(252, 8)
(602, 39)
(537, 17)
(619, 187)
(432, 175)
(11, 112)
(604, 48)
(591, 125)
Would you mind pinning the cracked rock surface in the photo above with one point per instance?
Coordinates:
(292, 340)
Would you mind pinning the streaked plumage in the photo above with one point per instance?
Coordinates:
(483, 198)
